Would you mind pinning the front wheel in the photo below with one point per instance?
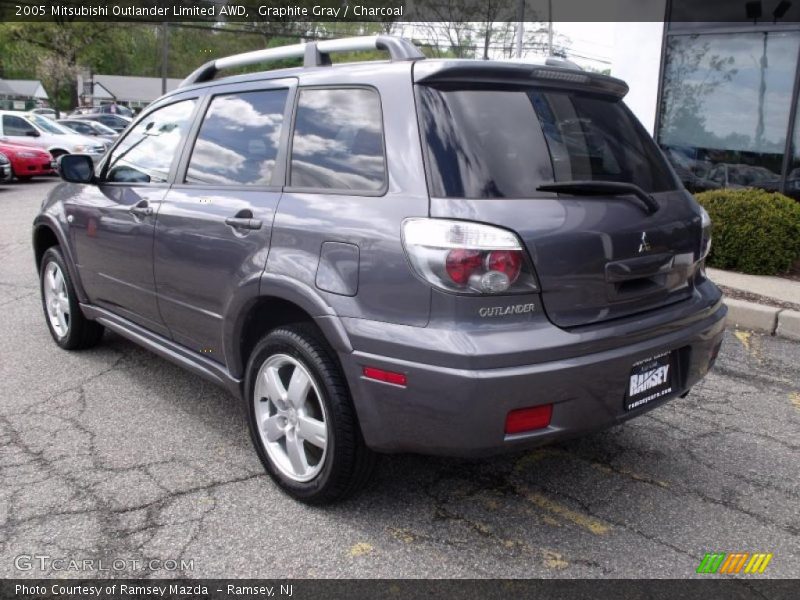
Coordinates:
(69, 328)
(301, 417)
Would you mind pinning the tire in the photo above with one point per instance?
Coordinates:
(296, 417)
(69, 328)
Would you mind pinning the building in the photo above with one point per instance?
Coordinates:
(135, 92)
(21, 94)
(723, 103)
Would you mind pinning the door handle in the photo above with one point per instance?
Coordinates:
(243, 223)
(141, 209)
(243, 220)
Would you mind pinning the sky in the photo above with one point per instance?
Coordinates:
(591, 43)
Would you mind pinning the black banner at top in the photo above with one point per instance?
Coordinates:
(757, 12)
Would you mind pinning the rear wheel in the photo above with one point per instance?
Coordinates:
(301, 417)
(69, 328)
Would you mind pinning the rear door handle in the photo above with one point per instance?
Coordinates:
(243, 223)
(141, 209)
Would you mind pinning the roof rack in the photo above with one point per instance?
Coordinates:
(314, 54)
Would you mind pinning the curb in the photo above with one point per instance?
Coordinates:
(766, 319)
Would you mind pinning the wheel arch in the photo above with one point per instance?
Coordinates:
(47, 234)
(281, 301)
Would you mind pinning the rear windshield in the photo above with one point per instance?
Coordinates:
(505, 142)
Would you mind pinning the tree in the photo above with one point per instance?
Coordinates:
(59, 46)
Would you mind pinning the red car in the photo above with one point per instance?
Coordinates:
(28, 161)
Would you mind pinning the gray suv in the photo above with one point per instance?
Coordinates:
(448, 257)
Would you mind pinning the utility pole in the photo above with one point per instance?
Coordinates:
(520, 27)
(549, 27)
(164, 55)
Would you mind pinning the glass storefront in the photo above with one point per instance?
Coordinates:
(725, 110)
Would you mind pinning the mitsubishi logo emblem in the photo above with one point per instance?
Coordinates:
(644, 245)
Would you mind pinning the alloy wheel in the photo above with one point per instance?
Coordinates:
(291, 417)
(56, 299)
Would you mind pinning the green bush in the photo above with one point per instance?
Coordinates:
(753, 231)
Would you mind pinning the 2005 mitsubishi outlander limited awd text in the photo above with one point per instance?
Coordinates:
(449, 257)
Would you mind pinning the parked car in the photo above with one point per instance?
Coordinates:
(6, 174)
(28, 161)
(116, 122)
(90, 128)
(50, 113)
(47, 134)
(114, 109)
(742, 175)
(399, 256)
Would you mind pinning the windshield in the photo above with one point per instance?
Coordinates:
(505, 141)
(48, 125)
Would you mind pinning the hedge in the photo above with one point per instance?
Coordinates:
(753, 231)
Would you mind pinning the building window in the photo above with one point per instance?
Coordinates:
(725, 107)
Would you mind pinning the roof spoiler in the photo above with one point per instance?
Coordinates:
(314, 54)
(547, 74)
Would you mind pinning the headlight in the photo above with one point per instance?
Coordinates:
(26, 154)
(705, 240)
(4, 159)
(78, 149)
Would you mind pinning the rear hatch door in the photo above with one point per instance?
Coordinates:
(494, 141)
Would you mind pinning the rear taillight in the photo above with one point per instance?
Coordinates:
(465, 257)
(705, 242)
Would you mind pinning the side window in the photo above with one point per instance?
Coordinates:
(146, 152)
(338, 140)
(16, 126)
(80, 127)
(239, 138)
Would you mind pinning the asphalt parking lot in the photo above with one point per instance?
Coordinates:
(115, 453)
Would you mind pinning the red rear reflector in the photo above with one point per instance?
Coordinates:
(385, 376)
(529, 419)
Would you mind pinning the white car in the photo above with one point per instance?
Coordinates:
(44, 133)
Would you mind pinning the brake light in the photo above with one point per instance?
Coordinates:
(529, 419)
(462, 264)
(466, 257)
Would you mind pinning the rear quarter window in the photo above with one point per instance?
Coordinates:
(504, 142)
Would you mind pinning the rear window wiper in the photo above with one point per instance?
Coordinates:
(600, 188)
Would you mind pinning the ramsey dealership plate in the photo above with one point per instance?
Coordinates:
(650, 380)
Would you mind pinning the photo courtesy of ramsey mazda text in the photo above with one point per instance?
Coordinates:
(439, 256)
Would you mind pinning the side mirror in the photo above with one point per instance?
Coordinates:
(76, 168)
(32, 133)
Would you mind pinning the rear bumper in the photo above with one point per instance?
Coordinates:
(29, 167)
(461, 411)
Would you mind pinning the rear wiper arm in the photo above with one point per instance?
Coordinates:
(599, 188)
